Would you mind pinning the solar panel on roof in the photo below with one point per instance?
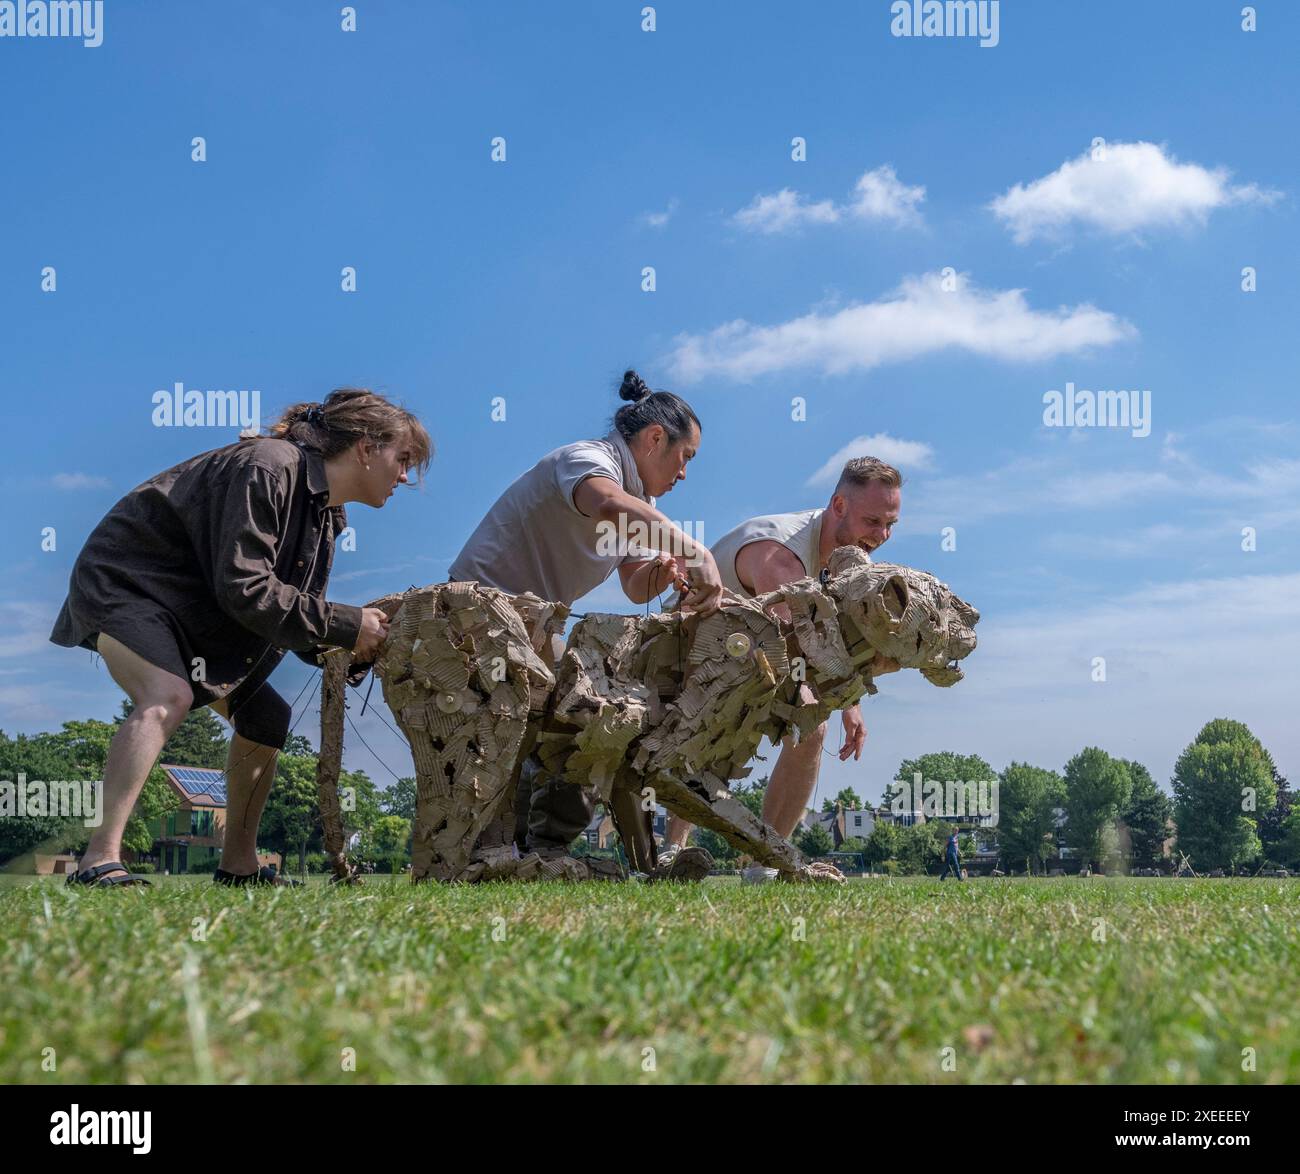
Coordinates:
(202, 781)
(197, 774)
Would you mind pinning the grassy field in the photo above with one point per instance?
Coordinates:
(1042, 981)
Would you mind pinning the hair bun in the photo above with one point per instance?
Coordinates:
(633, 388)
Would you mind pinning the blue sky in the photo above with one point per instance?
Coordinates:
(672, 149)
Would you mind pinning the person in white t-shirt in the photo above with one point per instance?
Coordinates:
(764, 553)
(563, 527)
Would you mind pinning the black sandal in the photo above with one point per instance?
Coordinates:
(95, 876)
(263, 876)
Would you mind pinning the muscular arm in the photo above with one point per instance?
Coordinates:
(605, 500)
(765, 566)
(648, 580)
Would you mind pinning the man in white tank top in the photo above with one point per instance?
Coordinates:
(767, 552)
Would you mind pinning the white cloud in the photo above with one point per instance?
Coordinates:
(1121, 544)
(25, 627)
(422, 569)
(26, 707)
(904, 454)
(784, 211)
(878, 195)
(659, 219)
(78, 481)
(1046, 484)
(1132, 186)
(918, 318)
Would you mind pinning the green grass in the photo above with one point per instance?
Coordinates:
(714, 978)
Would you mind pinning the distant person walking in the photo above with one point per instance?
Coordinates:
(951, 858)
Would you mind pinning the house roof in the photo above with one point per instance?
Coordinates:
(198, 785)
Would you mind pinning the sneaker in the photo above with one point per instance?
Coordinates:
(756, 874)
(665, 859)
(683, 864)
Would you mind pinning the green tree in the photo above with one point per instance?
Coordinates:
(291, 821)
(1221, 781)
(853, 844)
(1288, 846)
(76, 752)
(1145, 816)
(29, 759)
(297, 746)
(1028, 797)
(389, 838)
(848, 798)
(1096, 789)
(920, 846)
(399, 799)
(882, 843)
(942, 767)
(366, 800)
(752, 795)
(1141, 784)
(814, 841)
(1272, 822)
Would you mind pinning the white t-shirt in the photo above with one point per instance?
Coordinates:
(536, 539)
(800, 533)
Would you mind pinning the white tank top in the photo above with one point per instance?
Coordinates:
(800, 533)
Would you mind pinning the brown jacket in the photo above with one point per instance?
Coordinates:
(223, 557)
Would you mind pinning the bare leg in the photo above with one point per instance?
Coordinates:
(160, 700)
(794, 778)
(250, 771)
(678, 831)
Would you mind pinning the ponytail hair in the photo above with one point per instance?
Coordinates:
(645, 407)
(351, 414)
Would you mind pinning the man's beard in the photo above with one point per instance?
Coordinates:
(843, 537)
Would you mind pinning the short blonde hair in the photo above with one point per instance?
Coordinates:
(864, 470)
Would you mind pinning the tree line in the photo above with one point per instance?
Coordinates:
(1230, 807)
(380, 820)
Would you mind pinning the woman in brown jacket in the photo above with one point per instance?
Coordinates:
(195, 584)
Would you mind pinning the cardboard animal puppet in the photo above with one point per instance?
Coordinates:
(667, 708)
